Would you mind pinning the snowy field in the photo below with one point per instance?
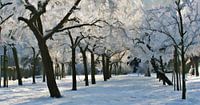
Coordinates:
(120, 90)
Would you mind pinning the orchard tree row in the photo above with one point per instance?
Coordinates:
(103, 32)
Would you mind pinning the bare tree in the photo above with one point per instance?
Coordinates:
(4, 59)
(35, 24)
(182, 34)
(74, 44)
(3, 5)
(34, 63)
(83, 52)
(16, 59)
(177, 25)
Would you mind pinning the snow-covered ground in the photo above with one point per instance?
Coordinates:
(120, 90)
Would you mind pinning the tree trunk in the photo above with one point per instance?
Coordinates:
(43, 73)
(17, 65)
(63, 70)
(85, 67)
(5, 60)
(120, 68)
(162, 67)
(74, 84)
(48, 66)
(179, 76)
(111, 67)
(107, 67)
(176, 68)
(183, 71)
(197, 68)
(93, 69)
(174, 79)
(182, 33)
(161, 75)
(104, 67)
(1, 68)
(34, 65)
(196, 62)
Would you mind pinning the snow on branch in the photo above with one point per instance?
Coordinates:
(63, 21)
(80, 25)
(3, 20)
(2, 5)
(30, 7)
(162, 32)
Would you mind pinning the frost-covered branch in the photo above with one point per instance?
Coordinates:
(4, 20)
(80, 25)
(2, 5)
(63, 21)
(162, 32)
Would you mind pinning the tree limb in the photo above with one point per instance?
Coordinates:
(24, 20)
(70, 37)
(6, 19)
(63, 21)
(2, 5)
(30, 7)
(78, 26)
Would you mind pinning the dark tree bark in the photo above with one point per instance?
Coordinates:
(43, 74)
(196, 63)
(5, 61)
(83, 51)
(1, 68)
(46, 58)
(57, 69)
(93, 68)
(108, 75)
(110, 70)
(104, 67)
(17, 65)
(162, 67)
(63, 70)
(176, 76)
(85, 68)
(161, 75)
(183, 71)
(197, 68)
(48, 67)
(33, 65)
(120, 68)
(182, 33)
(74, 84)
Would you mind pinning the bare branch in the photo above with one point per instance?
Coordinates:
(79, 25)
(83, 49)
(163, 32)
(63, 21)
(24, 20)
(95, 37)
(71, 39)
(2, 5)
(34, 29)
(30, 7)
(138, 41)
(189, 44)
(6, 19)
(75, 19)
(42, 6)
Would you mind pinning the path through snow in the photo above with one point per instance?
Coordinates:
(120, 90)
